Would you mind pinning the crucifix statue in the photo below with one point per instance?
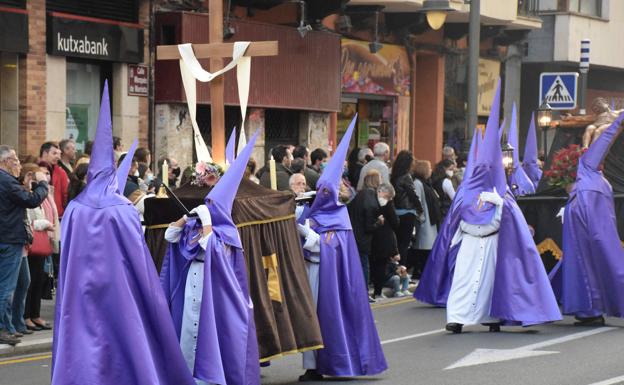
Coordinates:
(216, 50)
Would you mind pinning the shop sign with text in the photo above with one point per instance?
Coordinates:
(86, 39)
(386, 72)
(489, 72)
(137, 80)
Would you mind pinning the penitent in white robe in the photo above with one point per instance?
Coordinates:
(470, 297)
(193, 291)
(312, 244)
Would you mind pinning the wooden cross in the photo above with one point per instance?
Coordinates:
(216, 50)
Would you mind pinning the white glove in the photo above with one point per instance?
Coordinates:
(304, 229)
(491, 197)
(561, 214)
(203, 214)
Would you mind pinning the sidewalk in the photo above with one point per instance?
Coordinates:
(37, 342)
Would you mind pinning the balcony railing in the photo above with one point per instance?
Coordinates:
(528, 8)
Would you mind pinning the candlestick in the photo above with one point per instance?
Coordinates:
(165, 173)
(273, 173)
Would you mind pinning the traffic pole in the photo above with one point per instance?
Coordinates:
(584, 70)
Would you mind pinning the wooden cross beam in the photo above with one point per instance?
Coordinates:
(216, 51)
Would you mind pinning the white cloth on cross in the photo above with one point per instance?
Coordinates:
(191, 70)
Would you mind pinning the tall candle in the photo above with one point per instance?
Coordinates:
(165, 173)
(273, 173)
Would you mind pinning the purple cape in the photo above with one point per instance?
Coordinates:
(352, 346)
(111, 325)
(227, 346)
(589, 279)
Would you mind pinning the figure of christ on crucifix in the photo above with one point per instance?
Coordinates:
(594, 124)
(604, 117)
(216, 50)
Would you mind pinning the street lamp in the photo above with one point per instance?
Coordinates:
(508, 152)
(436, 11)
(544, 117)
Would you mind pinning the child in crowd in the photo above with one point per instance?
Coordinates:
(396, 277)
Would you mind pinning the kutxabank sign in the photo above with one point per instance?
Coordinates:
(85, 39)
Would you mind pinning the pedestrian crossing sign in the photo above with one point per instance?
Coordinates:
(558, 89)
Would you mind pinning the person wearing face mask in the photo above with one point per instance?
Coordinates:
(384, 244)
(443, 185)
(146, 178)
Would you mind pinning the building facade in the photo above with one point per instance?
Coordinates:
(56, 56)
(557, 47)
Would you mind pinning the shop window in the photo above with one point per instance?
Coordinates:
(84, 87)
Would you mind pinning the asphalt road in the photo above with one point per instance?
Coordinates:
(420, 352)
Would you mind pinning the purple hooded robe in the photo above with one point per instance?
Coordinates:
(111, 325)
(589, 278)
(529, 163)
(352, 346)
(522, 294)
(227, 346)
(519, 181)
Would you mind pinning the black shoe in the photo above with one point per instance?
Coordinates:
(6, 338)
(311, 375)
(590, 321)
(43, 326)
(26, 331)
(454, 327)
(494, 326)
(17, 335)
(34, 328)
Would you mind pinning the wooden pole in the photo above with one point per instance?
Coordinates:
(217, 111)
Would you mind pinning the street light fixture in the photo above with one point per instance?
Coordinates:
(544, 117)
(436, 11)
(508, 152)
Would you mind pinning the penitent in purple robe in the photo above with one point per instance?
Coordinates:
(227, 346)
(589, 279)
(519, 181)
(522, 294)
(352, 346)
(111, 321)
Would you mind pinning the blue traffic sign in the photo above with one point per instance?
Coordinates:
(559, 89)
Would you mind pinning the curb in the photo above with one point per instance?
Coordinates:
(28, 346)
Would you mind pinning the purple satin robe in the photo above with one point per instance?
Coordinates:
(589, 279)
(352, 346)
(111, 322)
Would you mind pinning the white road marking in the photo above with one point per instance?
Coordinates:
(486, 356)
(412, 336)
(610, 381)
